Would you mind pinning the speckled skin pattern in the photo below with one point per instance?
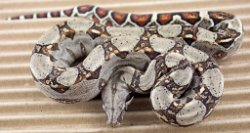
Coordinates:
(169, 55)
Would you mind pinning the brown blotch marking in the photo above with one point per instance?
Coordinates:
(189, 34)
(174, 88)
(226, 37)
(101, 12)
(165, 18)
(70, 34)
(84, 9)
(110, 49)
(37, 48)
(152, 54)
(55, 14)
(55, 47)
(95, 74)
(68, 12)
(191, 17)
(170, 113)
(50, 80)
(49, 48)
(122, 54)
(42, 15)
(95, 31)
(141, 20)
(209, 64)
(206, 98)
(119, 18)
(218, 16)
(189, 99)
(30, 16)
(45, 49)
(81, 73)
(199, 67)
(178, 48)
(152, 30)
(144, 44)
(66, 31)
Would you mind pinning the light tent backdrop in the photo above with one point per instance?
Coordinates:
(24, 109)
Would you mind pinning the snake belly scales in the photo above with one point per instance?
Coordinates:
(169, 55)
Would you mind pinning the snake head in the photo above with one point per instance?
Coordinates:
(116, 98)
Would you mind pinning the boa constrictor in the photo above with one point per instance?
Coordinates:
(169, 55)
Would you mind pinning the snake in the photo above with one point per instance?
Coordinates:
(171, 56)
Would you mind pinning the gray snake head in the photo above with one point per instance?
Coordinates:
(116, 97)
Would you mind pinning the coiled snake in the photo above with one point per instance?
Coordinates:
(169, 55)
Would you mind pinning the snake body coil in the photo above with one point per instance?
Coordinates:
(169, 55)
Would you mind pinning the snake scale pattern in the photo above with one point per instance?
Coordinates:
(169, 55)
